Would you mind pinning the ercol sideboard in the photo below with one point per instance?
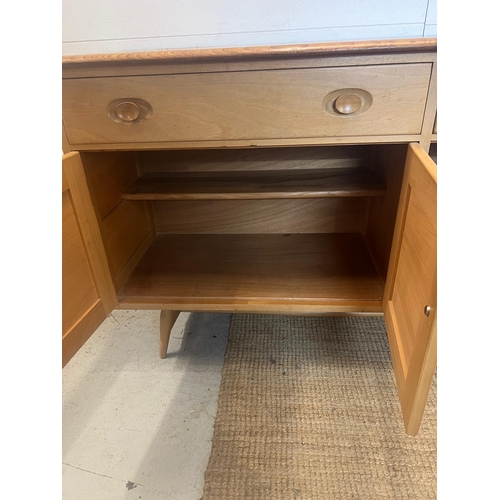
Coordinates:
(285, 179)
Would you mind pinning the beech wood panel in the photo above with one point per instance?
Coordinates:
(250, 143)
(127, 228)
(411, 287)
(78, 288)
(89, 228)
(434, 132)
(123, 274)
(256, 185)
(109, 174)
(430, 111)
(390, 161)
(325, 270)
(284, 307)
(319, 215)
(74, 338)
(87, 290)
(263, 51)
(135, 68)
(66, 147)
(247, 105)
(65, 182)
(167, 321)
(254, 159)
(123, 231)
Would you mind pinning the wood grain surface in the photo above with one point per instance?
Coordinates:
(254, 159)
(390, 160)
(249, 143)
(79, 291)
(108, 175)
(88, 295)
(412, 286)
(314, 215)
(167, 321)
(126, 227)
(252, 105)
(89, 227)
(312, 269)
(430, 111)
(256, 185)
(268, 51)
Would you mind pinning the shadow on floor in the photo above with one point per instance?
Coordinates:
(133, 417)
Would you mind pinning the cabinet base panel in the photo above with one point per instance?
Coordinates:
(266, 273)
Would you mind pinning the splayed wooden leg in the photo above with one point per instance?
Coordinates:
(167, 320)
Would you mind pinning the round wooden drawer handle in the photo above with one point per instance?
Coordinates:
(348, 103)
(129, 111)
(344, 103)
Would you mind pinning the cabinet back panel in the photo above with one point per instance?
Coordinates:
(258, 216)
(254, 159)
(320, 215)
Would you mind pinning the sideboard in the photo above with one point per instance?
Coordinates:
(283, 180)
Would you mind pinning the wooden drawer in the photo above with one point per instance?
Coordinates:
(248, 105)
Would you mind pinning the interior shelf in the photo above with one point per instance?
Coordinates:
(256, 272)
(248, 185)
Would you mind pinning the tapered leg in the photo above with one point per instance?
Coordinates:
(167, 320)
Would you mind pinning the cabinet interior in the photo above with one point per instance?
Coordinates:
(304, 229)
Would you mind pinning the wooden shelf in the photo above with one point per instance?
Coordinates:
(252, 185)
(255, 272)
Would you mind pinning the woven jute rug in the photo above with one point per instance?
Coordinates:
(308, 409)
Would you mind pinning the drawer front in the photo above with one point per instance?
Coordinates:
(277, 104)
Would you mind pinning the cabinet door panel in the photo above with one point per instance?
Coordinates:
(410, 295)
(88, 295)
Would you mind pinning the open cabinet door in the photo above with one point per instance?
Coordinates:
(410, 294)
(88, 295)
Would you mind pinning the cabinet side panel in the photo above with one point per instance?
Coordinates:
(390, 161)
(108, 175)
(430, 112)
(127, 228)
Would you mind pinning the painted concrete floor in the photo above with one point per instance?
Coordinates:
(136, 426)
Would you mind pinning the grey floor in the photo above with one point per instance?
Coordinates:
(136, 426)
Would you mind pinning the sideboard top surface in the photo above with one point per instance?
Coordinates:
(256, 52)
(222, 87)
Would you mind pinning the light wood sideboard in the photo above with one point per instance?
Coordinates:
(286, 179)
